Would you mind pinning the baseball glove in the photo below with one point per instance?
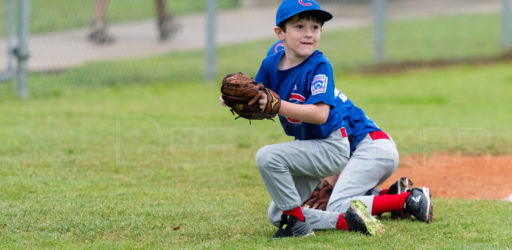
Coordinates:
(320, 196)
(242, 94)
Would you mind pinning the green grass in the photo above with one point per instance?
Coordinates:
(459, 109)
(125, 165)
(139, 154)
(52, 15)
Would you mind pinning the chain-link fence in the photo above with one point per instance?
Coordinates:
(423, 30)
(16, 44)
(364, 32)
(411, 31)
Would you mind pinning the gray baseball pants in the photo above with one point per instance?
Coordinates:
(371, 164)
(291, 170)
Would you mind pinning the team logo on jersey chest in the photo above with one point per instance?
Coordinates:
(305, 2)
(319, 84)
(297, 99)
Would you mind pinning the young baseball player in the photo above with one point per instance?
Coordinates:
(374, 157)
(312, 113)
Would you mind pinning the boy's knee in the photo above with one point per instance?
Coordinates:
(263, 157)
(268, 159)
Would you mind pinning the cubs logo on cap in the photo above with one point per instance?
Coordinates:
(289, 8)
(305, 2)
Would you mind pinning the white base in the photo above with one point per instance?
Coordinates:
(509, 198)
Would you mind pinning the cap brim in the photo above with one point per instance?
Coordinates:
(324, 15)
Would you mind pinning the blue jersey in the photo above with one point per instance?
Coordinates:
(310, 82)
(357, 124)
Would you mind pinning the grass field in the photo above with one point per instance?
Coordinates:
(139, 154)
(124, 166)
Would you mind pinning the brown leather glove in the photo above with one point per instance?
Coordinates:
(320, 196)
(241, 93)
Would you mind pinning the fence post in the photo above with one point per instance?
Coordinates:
(11, 40)
(505, 26)
(210, 60)
(379, 24)
(22, 50)
(11, 23)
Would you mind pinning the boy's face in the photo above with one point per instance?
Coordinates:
(301, 37)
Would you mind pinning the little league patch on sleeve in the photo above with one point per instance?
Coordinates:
(319, 85)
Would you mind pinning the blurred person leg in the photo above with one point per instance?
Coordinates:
(167, 26)
(98, 32)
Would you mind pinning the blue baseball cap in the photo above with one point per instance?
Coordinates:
(289, 8)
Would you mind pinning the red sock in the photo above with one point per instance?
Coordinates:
(388, 203)
(342, 223)
(297, 212)
(383, 191)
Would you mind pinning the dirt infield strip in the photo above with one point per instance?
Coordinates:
(459, 176)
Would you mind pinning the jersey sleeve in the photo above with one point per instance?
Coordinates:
(321, 85)
(263, 74)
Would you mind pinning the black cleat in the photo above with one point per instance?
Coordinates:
(290, 226)
(402, 185)
(419, 204)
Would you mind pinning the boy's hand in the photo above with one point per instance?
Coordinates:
(263, 102)
(270, 102)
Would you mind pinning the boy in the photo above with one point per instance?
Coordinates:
(303, 78)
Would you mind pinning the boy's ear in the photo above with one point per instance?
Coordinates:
(279, 32)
